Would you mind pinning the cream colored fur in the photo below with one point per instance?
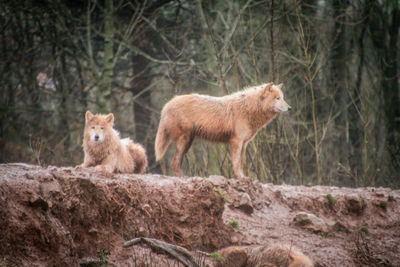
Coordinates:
(234, 119)
(105, 150)
(278, 256)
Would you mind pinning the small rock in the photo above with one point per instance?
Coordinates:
(46, 177)
(243, 202)
(340, 227)
(235, 238)
(278, 194)
(206, 203)
(183, 218)
(38, 202)
(142, 231)
(50, 189)
(310, 222)
(29, 176)
(93, 230)
(217, 180)
(355, 204)
(379, 194)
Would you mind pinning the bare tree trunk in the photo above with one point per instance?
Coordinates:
(357, 135)
(384, 28)
(391, 89)
(104, 96)
(143, 124)
(272, 42)
(338, 76)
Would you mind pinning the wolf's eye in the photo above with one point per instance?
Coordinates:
(93, 127)
(278, 98)
(102, 128)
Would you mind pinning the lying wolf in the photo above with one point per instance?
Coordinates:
(106, 151)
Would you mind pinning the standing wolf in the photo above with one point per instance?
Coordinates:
(104, 149)
(233, 119)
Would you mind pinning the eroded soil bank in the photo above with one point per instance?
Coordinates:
(62, 216)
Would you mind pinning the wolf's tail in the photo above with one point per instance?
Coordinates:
(138, 153)
(162, 141)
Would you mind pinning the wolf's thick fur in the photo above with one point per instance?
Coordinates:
(234, 119)
(104, 149)
(276, 256)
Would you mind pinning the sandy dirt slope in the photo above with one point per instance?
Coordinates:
(62, 216)
(350, 227)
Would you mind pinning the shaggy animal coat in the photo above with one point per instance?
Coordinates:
(278, 256)
(104, 149)
(263, 256)
(233, 119)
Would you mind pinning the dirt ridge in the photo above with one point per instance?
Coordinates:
(61, 215)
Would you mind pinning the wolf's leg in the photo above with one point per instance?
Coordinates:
(236, 146)
(108, 165)
(87, 162)
(243, 154)
(105, 168)
(182, 145)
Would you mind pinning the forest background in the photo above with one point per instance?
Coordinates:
(338, 61)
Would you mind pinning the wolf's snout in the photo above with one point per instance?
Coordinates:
(289, 108)
(96, 137)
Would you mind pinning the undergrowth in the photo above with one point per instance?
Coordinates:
(364, 254)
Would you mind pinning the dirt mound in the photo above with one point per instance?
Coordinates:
(333, 226)
(57, 216)
(70, 217)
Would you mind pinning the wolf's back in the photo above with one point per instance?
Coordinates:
(281, 255)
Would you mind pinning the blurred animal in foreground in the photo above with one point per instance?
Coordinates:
(263, 256)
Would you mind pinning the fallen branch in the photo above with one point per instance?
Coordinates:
(179, 253)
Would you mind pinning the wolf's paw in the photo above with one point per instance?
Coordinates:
(104, 169)
(100, 168)
(244, 178)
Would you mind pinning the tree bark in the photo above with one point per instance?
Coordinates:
(339, 73)
(384, 28)
(104, 96)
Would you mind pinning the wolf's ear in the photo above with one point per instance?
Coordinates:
(89, 115)
(279, 86)
(267, 88)
(110, 118)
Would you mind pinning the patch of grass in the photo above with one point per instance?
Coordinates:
(363, 203)
(390, 198)
(383, 204)
(363, 230)
(234, 224)
(331, 199)
(216, 256)
(102, 255)
(223, 194)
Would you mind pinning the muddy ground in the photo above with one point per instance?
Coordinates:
(75, 217)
